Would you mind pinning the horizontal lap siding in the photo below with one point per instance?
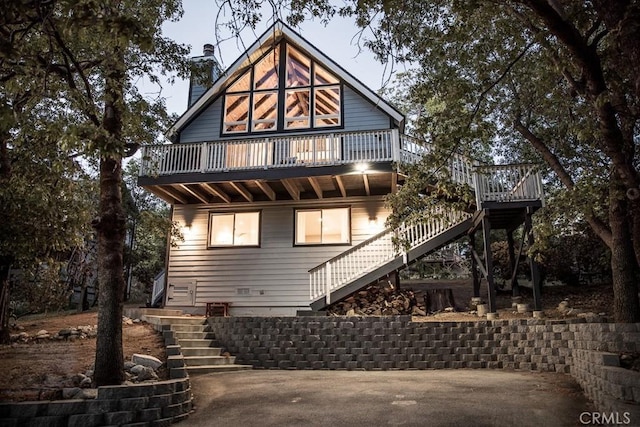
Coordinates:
(277, 268)
(359, 115)
(206, 126)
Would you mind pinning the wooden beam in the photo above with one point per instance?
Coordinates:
(394, 182)
(488, 261)
(216, 191)
(266, 189)
(340, 185)
(194, 193)
(291, 188)
(365, 179)
(242, 190)
(174, 196)
(316, 186)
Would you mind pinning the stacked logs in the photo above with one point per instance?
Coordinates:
(379, 300)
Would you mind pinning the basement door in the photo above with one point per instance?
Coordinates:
(182, 294)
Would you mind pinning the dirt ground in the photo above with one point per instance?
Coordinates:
(595, 298)
(37, 370)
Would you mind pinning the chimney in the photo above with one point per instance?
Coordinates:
(208, 49)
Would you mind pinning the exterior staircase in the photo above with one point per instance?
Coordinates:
(501, 187)
(192, 348)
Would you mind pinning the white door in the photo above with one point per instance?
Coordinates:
(182, 294)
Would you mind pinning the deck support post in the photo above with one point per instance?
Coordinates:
(474, 266)
(533, 265)
(513, 264)
(488, 260)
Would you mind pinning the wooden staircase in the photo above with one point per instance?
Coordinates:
(510, 192)
(191, 347)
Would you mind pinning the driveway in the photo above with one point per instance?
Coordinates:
(380, 398)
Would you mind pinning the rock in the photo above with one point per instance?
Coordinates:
(42, 332)
(85, 383)
(137, 320)
(77, 379)
(146, 360)
(89, 373)
(135, 370)
(146, 374)
(127, 321)
(128, 365)
(64, 332)
(449, 309)
(71, 392)
(563, 307)
(351, 312)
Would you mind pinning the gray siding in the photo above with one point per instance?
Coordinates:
(206, 126)
(196, 92)
(359, 115)
(276, 273)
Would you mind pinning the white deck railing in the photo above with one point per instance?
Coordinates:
(507, 183)
(271, 152)
(375, 252)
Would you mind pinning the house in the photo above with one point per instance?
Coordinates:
(277, 175)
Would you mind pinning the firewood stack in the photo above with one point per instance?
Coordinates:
(379, 300)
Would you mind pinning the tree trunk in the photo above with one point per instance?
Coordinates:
(624, 267)
(109, 365)
(111, 228)
(5, 266)
(436, 300)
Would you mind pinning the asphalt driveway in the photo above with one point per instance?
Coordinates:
(381, 398)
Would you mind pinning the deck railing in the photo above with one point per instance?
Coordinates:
(507, 183)
(271, 152)
(375, 252)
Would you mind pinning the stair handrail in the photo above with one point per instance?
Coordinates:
(343, 268)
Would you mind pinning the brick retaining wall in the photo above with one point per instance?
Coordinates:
(395, 342)
(147, 404)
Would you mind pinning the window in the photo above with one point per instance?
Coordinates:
(322, 226)
(234, 229)
(306, 97)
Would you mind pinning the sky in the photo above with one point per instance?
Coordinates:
(196, 28)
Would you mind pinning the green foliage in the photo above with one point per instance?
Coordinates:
(40, 289)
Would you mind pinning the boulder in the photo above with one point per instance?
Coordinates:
(135, 370)
(146, 360)
(146, 374)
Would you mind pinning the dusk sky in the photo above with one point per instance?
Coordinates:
(197, 28)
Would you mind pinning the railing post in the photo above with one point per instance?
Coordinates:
(204, 157)
(477, 187)
(327, 283)
(395, 145)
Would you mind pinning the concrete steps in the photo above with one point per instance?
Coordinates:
(191, 347)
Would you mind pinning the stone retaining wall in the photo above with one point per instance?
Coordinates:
(395, 342)
(146, 404)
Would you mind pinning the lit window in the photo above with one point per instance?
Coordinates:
(234, 229)
(323, 226)
(311, 95)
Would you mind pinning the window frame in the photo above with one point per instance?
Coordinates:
(211, 245)
(281, 118)
(310, 209)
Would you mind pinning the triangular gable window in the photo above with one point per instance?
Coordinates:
(284, 90)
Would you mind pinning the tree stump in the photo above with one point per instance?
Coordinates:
(438, 300)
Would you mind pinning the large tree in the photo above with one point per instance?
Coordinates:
(89, 55)
(556, 79)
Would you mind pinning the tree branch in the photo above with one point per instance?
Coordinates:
(598, 226)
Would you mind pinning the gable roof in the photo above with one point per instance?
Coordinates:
(265, 42)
